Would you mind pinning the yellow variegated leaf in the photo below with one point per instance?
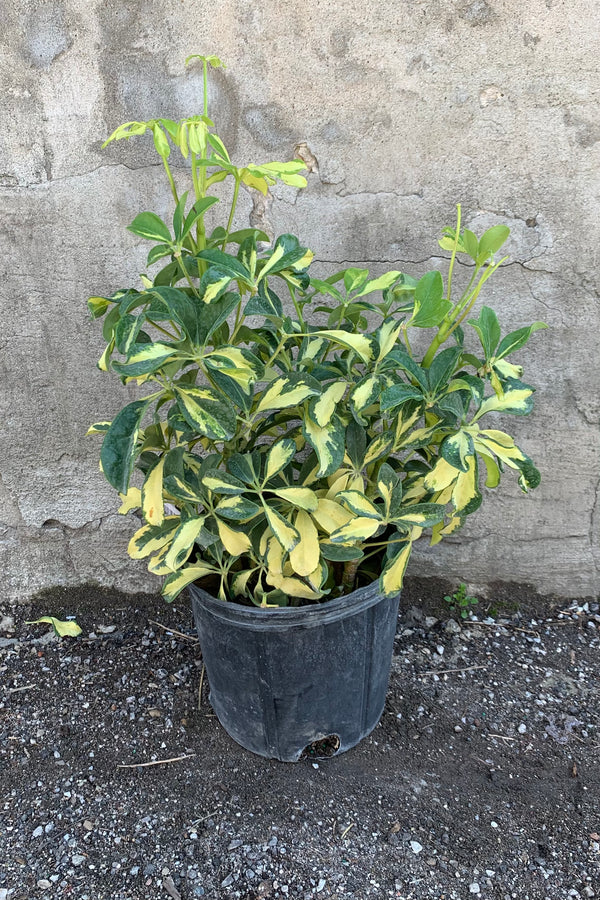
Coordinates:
(157, 565)
(283, 393)
(358, 529)
(324, 406)
(62, 629)
(275, 557)
(150, 538)
(131, 500)
(360, 343)
(176, 582)
(388, 335)
(103, 362)
(393, 574)
(293, 587)
(240, 582)
(214, 288)
(183, 542)
(337, 482)
(515, 400)
(98, 428)
(492, 468)
(264, 538)
(441, 475)
(365, 393)
(285, 533)
(152, 495)
(298, 496)
(378, 447)
(465, 489)
(305, 555)
(359, 504)
(235, 542)
(279, 456)
(329, 515)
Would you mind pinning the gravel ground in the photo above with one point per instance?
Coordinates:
(481, 780)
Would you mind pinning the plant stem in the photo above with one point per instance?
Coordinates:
(349, 576)
(453, 257)
(234, 201)
(171, 180)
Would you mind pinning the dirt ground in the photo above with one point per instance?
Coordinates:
(481, 780)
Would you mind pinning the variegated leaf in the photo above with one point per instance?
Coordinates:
(393, 574)
(150, 538)
(175, 583)
(183, 542)
(359, 504)
(283, 530)
(330, 515)
(209, 412)
(304, 557)
(152, 494)
(235, 542)
(288, 391)
(328, 443)
(302, 497)
(358, 529)
(321, 409)
(279, 456)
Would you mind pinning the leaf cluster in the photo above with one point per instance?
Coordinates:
(291, 443)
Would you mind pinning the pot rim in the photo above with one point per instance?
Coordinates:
(285, 617)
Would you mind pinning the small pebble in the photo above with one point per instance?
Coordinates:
(38, 832)
(321, 885)
(522, 728)
(474, 888)
(77, 859)
(43, 884)
(416, 847)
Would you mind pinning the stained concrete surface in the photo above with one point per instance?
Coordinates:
(406, 109)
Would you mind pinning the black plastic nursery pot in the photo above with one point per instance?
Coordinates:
(283, 679)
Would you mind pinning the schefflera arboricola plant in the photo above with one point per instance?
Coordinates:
(292, 444)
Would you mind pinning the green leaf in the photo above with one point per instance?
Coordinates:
(196, 212)
(492, 240)
(178, 215)
(207, 411)
(488, 329)
(430, 304)
(456, 448)
(222, 483)
(118, 448)
(399, 394)
(379, 284)
(442, 368)
(264, 303)
(517, 339)
(61, 629)
(160, 142)
(98, 306)
(226, 264)
(238, 509)
(340, 552)
(150, 226)
(354, 279)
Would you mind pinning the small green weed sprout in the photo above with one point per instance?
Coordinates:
(460, 601)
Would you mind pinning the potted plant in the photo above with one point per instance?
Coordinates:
(292, 441)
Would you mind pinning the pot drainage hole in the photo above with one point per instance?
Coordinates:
(322, 748)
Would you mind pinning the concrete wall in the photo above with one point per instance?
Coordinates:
(408, 108)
